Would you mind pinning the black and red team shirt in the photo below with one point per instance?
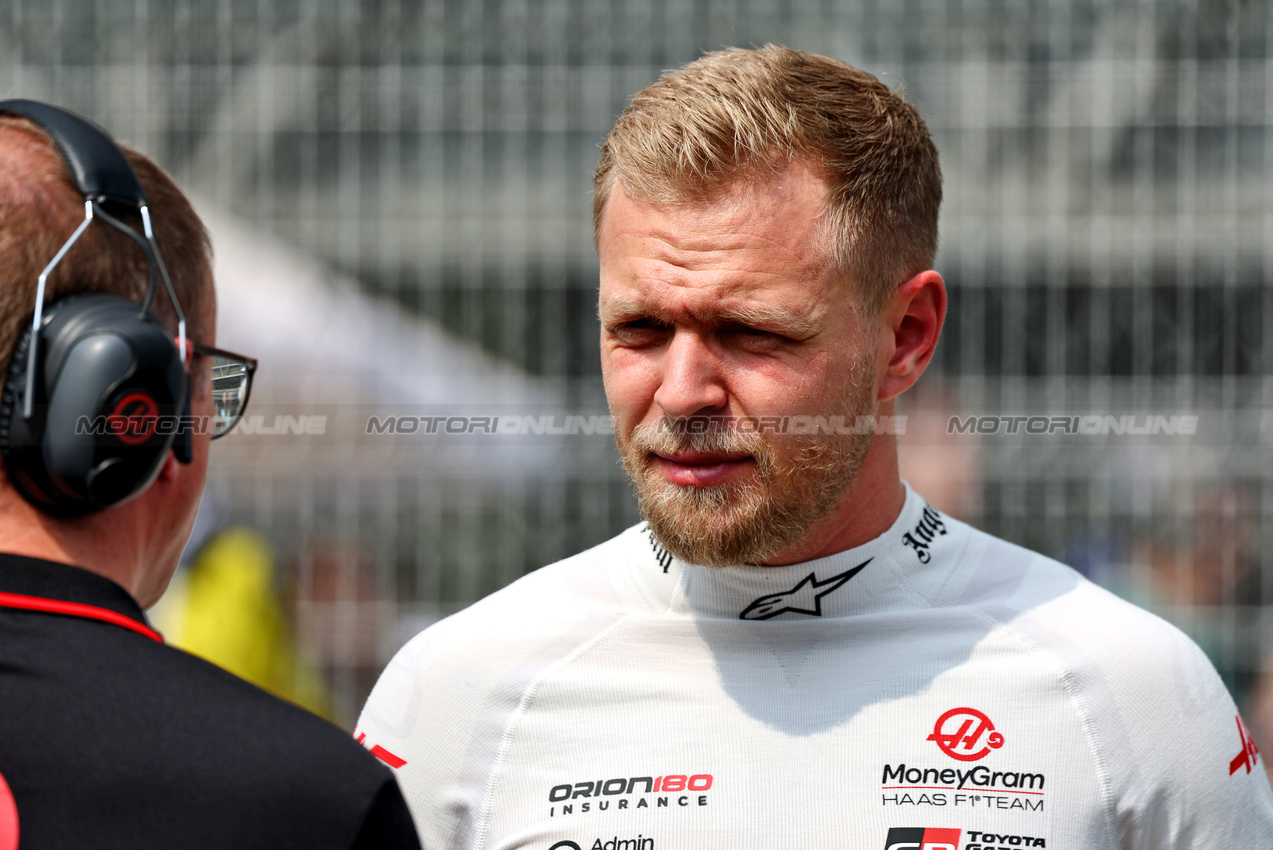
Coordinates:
(110, 739)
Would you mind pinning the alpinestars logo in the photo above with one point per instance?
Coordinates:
(1250, 755)
(804, 598)
(922, 838)
(959, 733)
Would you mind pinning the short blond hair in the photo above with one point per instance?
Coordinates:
(743, 115)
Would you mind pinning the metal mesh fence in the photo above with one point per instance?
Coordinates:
(1106, 238)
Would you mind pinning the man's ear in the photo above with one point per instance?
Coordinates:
(910, 324)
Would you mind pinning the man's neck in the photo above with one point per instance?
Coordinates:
(865, 510)
(92, 543)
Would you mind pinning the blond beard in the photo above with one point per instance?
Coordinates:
(750, 521)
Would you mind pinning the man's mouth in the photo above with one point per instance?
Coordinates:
(700, 469)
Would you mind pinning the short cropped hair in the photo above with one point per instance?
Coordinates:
(40, 207)
(739, 116)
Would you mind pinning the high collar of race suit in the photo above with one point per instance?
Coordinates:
(846, 583)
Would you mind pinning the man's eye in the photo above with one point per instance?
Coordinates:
(638, 330)
(752, 335)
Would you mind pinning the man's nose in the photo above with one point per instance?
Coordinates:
(692, 381)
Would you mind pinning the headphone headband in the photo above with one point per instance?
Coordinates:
(94, 361)
(98, 168)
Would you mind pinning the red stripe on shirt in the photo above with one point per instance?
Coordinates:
(76, 609)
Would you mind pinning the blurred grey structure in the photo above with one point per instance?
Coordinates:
(1107, 235)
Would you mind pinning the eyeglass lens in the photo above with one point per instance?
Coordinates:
(229, 393)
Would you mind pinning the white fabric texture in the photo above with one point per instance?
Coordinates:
(934, 689)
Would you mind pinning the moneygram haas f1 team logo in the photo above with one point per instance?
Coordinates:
(922, 838)
(804, 598)
(965, 734)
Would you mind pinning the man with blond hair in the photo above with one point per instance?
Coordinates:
(794, 649)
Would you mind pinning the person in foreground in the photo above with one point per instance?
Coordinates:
(109, 738)
(794, 650)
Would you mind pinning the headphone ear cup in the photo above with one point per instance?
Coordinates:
(109, 388)
(22, 439)
(91, 367)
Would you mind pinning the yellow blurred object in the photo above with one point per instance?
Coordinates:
(227, 611)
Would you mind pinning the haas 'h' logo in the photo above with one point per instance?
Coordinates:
(965, 734)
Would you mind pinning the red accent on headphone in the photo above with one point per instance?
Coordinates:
(134, 418)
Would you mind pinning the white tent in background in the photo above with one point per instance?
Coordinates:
(325, 340)
(326, 347)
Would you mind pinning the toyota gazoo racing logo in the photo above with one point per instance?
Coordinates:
(965, 734)
(1001, 841)
(922, 838)
(934, 838)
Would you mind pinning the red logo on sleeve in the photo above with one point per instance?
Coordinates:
(960, 733)
(1249, 756)
(8, 818)
(378, 751)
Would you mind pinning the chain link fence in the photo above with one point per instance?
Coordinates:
(1106, 237)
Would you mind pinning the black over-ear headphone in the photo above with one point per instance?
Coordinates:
(98, 390)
